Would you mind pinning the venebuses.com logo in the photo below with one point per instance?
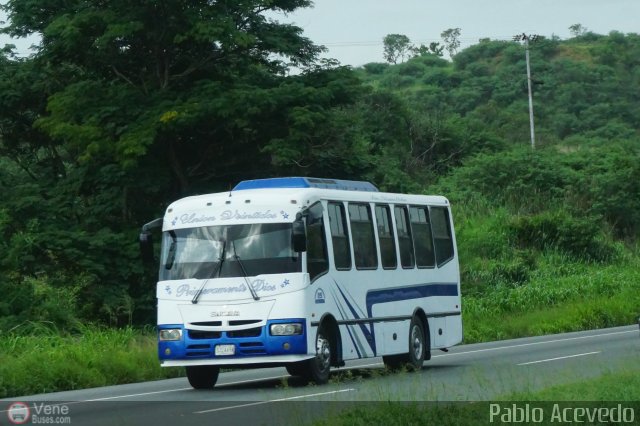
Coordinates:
(18, 413)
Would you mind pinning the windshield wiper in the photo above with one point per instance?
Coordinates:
(213, 274)
(244, 272)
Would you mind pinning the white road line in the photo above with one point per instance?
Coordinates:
(535, 343)
(239, 382)
(182, 389)
(560, 357)
(501, 347)
(107, 398)
(252, 404)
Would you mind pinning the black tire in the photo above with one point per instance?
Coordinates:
(203, 376)
(418, 345)
(393, 362)
(418, 348)
(318, 368)
(296, 368)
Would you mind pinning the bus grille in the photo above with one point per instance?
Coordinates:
(249, 332)
(252, 348)
(198, 350)
(200, 334)
(243, 322)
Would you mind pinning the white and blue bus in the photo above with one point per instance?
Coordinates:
(304, 273)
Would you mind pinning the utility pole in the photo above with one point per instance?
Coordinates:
(529, 38)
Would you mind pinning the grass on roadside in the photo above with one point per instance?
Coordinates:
(615, 386)
(586, 297)
(619, 386)
(53, 361)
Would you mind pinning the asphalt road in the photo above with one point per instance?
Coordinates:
(270, 396)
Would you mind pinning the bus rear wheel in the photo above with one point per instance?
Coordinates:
(203, 376)
(418, 347)
(417, 344)
(317, 368)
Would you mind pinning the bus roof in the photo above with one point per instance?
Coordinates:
(278, 200)
(306, 182)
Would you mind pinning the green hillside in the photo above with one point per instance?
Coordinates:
(547, 237)
(127, 107)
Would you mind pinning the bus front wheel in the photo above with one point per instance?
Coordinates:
(318, 368)
(203, 376)
(296, 368)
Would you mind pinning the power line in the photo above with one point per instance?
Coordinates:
(420, 41)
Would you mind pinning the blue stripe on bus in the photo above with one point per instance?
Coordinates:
(406, 293)
(353, 341)
(367, 334)
(375, 297)
(338, 305)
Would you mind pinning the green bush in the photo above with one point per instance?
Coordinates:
(32, 301)
(611, 186)
(557, 229)
(375, 67)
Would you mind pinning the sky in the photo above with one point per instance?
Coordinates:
(353, 30)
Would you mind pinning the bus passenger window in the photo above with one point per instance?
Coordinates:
(442, 234)
(404, 237)
(422, 240)
(386, 238)
(339, 236)
(364, 243)
(317, 259)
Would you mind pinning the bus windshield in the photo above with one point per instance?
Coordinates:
(261, 248)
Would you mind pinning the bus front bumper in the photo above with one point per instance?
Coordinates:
(233, 346)
(275, 360)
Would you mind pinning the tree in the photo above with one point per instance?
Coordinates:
(129, 105)
(451, 39)
(578, 30)
(147, 65)
(434, 48)
(396, 47)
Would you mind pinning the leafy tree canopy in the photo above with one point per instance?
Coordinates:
(396, 47)
(451, 39)
(127, 105)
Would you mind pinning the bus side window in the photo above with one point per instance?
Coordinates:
(386, 237)
(442, 234)
(364, 242)
(317, 259)
(405, 242)
(339, 236)
(422, 239)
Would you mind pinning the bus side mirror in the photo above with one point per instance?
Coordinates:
(146, 247)
(299, 236)
(146, 240)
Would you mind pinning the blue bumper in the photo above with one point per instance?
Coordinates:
(253, 342)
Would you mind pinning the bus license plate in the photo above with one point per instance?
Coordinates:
(224, 350)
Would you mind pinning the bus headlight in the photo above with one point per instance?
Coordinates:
(285, 329)
(170, 334)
